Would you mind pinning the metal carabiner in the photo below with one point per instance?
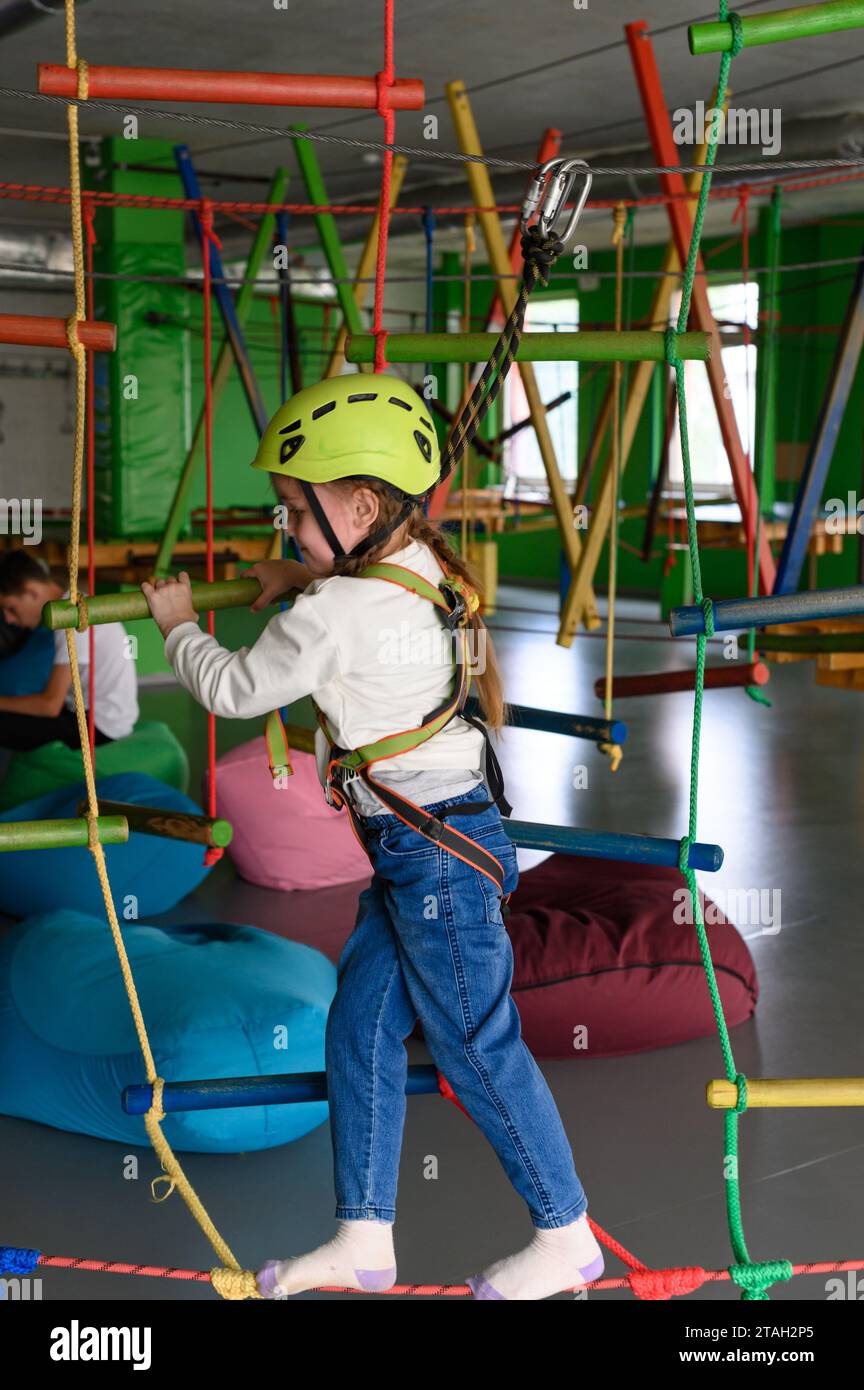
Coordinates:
(557, 190)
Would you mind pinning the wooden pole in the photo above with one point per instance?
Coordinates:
(168, 824)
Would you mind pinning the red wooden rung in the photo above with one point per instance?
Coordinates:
(34, 330)
(667, 682)
(240, 88)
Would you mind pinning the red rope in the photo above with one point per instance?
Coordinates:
(209, 238)
(384, 79)
(645, 1283)
(46, 193)
(88, 212)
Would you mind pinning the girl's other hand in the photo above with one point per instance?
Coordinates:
(277, 578)
(170, 601)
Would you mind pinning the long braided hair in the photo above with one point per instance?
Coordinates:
(418, 527)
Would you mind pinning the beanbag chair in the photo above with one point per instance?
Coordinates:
(217, 999)
(25, 661)
(148, 874)
(151, 747)
(284, 837)
(604, 946)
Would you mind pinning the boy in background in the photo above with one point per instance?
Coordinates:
(28, 721)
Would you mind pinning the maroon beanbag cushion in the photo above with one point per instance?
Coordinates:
(606, 945)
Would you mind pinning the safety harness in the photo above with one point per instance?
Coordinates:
(454, 601)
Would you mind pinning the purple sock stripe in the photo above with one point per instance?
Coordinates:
(481, 1288)
(266, 1279)
(376, 1280)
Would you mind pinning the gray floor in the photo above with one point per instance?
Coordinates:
(781, 791)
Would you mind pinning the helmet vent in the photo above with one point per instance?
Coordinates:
(363, 396)
(423, 444)
(427, 423)
(323, 410)
(394, 400)
(289, 429)
(290, 447)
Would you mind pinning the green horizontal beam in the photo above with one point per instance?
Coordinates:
(129, 607)
(60, 834)
(640, 346)
(801, 23)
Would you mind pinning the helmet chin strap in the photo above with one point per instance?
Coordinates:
(363, 546)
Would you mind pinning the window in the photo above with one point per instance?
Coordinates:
(731, 305)
(523, 465)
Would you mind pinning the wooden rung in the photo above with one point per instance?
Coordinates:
(809, 1091)
(168, 824)
(60, 834)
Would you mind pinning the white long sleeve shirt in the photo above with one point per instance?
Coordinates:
(375, 657)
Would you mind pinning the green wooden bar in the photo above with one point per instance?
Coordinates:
(801, 23)
(60, 834)
(639, 346)
(129, 607)
(221, 372)
(812, 643)
(168, 824)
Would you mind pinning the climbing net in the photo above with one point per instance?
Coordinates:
(229, 1278)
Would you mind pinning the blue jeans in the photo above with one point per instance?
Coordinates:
(430, 943)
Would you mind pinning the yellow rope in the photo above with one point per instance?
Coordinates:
(613, 750)
(233, 1281)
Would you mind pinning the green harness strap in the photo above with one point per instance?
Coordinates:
(454, 615)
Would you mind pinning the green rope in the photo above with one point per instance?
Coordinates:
(753, 1279)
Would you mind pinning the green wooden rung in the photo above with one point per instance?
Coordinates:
(636, 346)
(129, 607)
(802, 23)
(60, 834)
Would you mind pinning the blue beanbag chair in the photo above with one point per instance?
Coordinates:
(26, 671)
(218, 1001)
(148, 874)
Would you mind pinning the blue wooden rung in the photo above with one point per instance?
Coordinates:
(606, 844)
(734, 613)
(239, 1091)
(551, 721)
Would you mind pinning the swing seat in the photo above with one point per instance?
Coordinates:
(151, 748)
(284, 837)
(149, 874)
(219, 1000)
(605, 947)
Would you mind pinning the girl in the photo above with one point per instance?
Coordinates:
(353, 458)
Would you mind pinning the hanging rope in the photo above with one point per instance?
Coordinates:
(385, 81)
(230, 1279)
(209, 239)
(614, 751)
(754, 1279)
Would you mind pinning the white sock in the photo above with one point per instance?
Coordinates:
(360, 1256)
(565, 1257)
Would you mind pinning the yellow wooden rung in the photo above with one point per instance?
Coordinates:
(775, 1093)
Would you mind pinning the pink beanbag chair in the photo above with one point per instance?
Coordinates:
(284, 837)
(605, 948)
